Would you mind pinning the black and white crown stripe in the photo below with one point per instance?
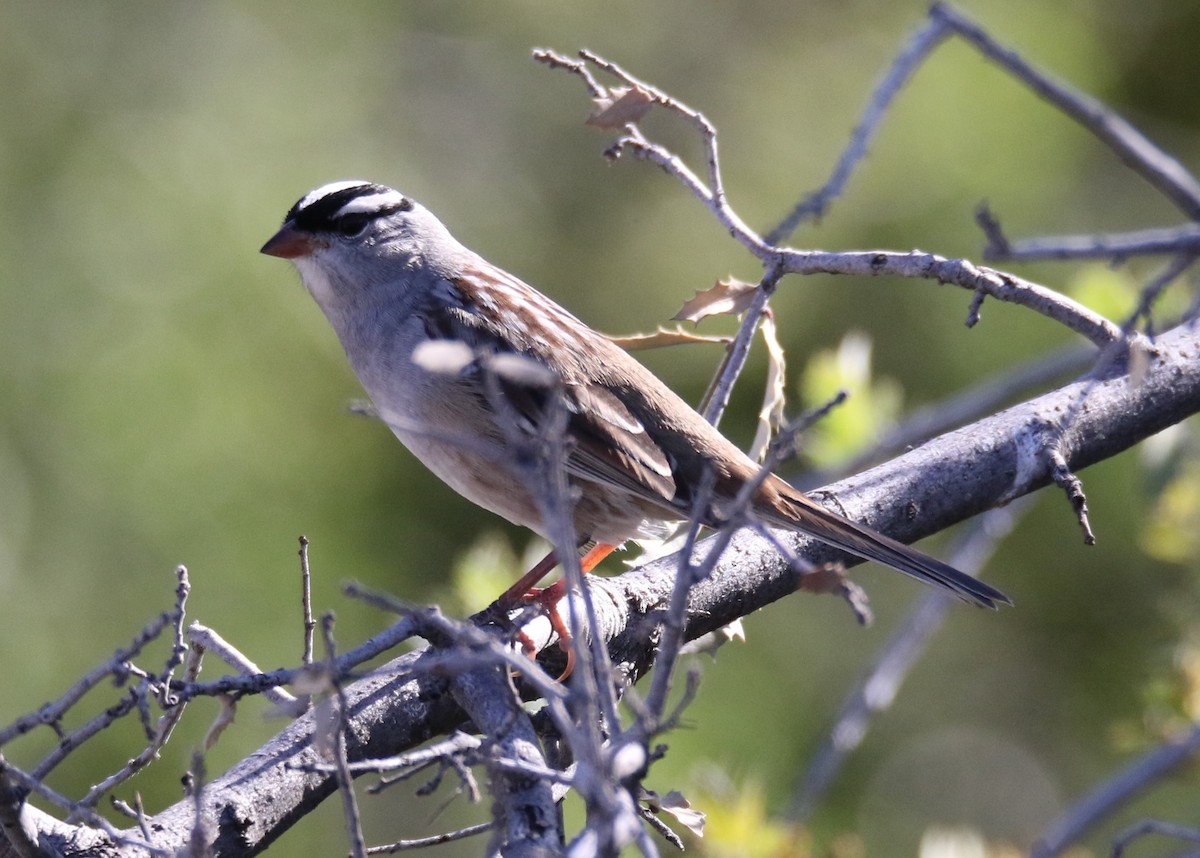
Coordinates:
(330, 207)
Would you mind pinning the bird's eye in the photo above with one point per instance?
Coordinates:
(351, 225)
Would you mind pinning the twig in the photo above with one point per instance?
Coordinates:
(472, 648)
(1154, 287)
(1117, 791)
(919, 46)
(435, 840)
(338, 725)
(179, 647)
(72, 741)
(1163, 172)
(958, 410)
(232, 656)
(259, 683)
(961, 272)
(712, 192)
(557, 61)
(310, 624)
(1073, 486)
(1117, 247)
(674, 622)
(201, 841)
(1153, 826)
(690, 572)
(739, 351)
(136, 813)
(876, 690)
(162, 734)
(51, 714)
(456, 743)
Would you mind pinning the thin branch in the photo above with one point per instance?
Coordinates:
(51, 714)
(710, 192)
(706, 130)
(337, 726)
(739, 352)
(877, 689)
(1116, 792)
(1173, 270)
(980, 400)
(162, 734)
(1186, 833)
(310, 624)
(179, 647)
(1073, 486)
(260, 682)
(213, 642)
(1117, 247)
(200, 844)
(1163, 172)
(930, 266)
(435, 840)
(903, 67)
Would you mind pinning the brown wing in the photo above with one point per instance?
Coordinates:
(610, 444)
(624, 420)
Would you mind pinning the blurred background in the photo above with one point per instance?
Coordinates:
(169, 396)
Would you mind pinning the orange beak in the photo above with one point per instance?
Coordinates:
(289, 243)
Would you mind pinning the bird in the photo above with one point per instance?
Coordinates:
(469, 367)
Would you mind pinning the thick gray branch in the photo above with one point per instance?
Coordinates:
(950, 478)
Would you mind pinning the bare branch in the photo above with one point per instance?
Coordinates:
(879, 686)
(310, 624)
(1122, 788)
(210, 640)
(258, 683)
(1073, 486)
(51, 714)
(735, 361)
(525, 814)
(1117, 247)
(161, 735)
(338, 726)
(1186, 833)
(435, 840)
(1130, 145)
(922, 43)
(930, 266)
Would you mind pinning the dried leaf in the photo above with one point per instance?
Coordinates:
(662, 338)
(734, 631)
(770, 416)
(620, 107)
(826, 578)
(727, 297)
(224, 718)
(679, 807)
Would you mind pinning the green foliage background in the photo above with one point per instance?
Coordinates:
(169, 396)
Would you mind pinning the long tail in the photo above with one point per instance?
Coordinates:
(816, 521)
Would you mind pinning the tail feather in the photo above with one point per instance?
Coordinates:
(840, 532)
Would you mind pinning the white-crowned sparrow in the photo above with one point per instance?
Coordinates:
(391, 278)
